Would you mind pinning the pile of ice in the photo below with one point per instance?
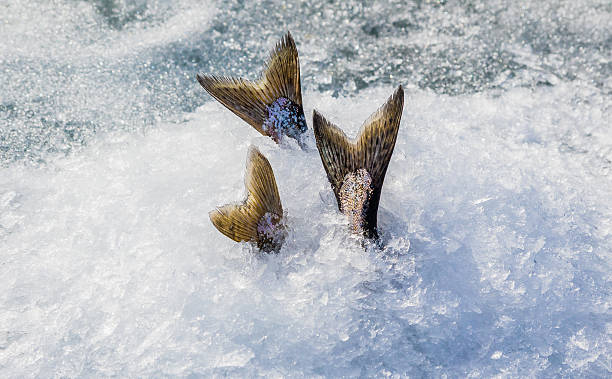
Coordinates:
(496, 216)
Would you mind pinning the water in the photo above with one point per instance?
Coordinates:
(496, 211)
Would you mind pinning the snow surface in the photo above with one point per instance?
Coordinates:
(496, 213)
(497, 256)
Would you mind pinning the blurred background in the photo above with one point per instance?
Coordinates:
(71, 68)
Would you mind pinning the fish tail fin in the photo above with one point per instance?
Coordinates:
(258, 218)
(356, 168)
(272, 104)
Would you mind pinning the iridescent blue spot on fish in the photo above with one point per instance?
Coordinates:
(271, 232)
(284, 118)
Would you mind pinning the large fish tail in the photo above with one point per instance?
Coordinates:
(356, 168)
(272, 104)
(257, 219)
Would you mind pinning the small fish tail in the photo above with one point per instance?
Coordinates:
(258, 218)
(273, 104)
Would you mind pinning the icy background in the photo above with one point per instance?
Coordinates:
(496, 212)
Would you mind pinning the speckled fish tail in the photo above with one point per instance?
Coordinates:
(259, 218)
(272, 104)
(356, 168)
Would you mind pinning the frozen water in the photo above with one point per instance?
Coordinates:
(496, 214)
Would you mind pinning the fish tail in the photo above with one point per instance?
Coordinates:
(356, 168)
(273, 104)
(258, 218)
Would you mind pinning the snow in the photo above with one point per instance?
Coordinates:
(496, 257)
